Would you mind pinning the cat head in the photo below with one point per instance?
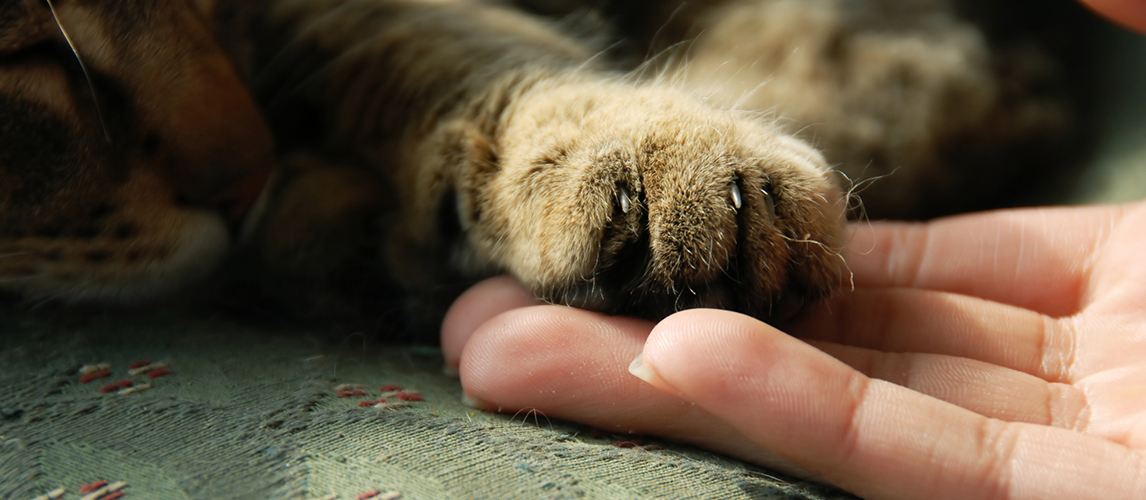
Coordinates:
(129, 147)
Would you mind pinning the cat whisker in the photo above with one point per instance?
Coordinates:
(84, 68)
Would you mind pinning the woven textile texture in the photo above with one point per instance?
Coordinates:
(249, 413)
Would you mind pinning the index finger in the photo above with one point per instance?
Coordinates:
(1038, 259)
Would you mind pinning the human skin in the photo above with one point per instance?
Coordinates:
(1129, 13)
(994, 355)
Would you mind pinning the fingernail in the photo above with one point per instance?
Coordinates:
(647, 373)
(473, 402)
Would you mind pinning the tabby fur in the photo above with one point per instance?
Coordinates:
(523, 154)
(455, 139)
(116, 178)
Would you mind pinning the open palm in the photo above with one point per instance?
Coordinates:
(998, 355)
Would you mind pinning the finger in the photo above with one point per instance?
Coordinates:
(572, 364)
(872, 437)
(474, 307)
(989, 390)
(1129, 13)
(922, 321)
(1034, 258)
(1118, 285)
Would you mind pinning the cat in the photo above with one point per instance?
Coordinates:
(129, 147)
(509, 148)
(448, 140)
(915, 102)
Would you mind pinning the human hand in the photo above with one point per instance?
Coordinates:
(997, 355)
(1129, 13)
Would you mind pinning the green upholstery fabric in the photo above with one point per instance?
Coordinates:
(250, 413)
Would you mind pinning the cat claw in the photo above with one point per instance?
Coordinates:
(626, 204)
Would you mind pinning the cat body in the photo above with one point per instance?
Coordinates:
(532, 159)
(449, 140)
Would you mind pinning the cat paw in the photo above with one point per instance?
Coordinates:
(645, 201)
